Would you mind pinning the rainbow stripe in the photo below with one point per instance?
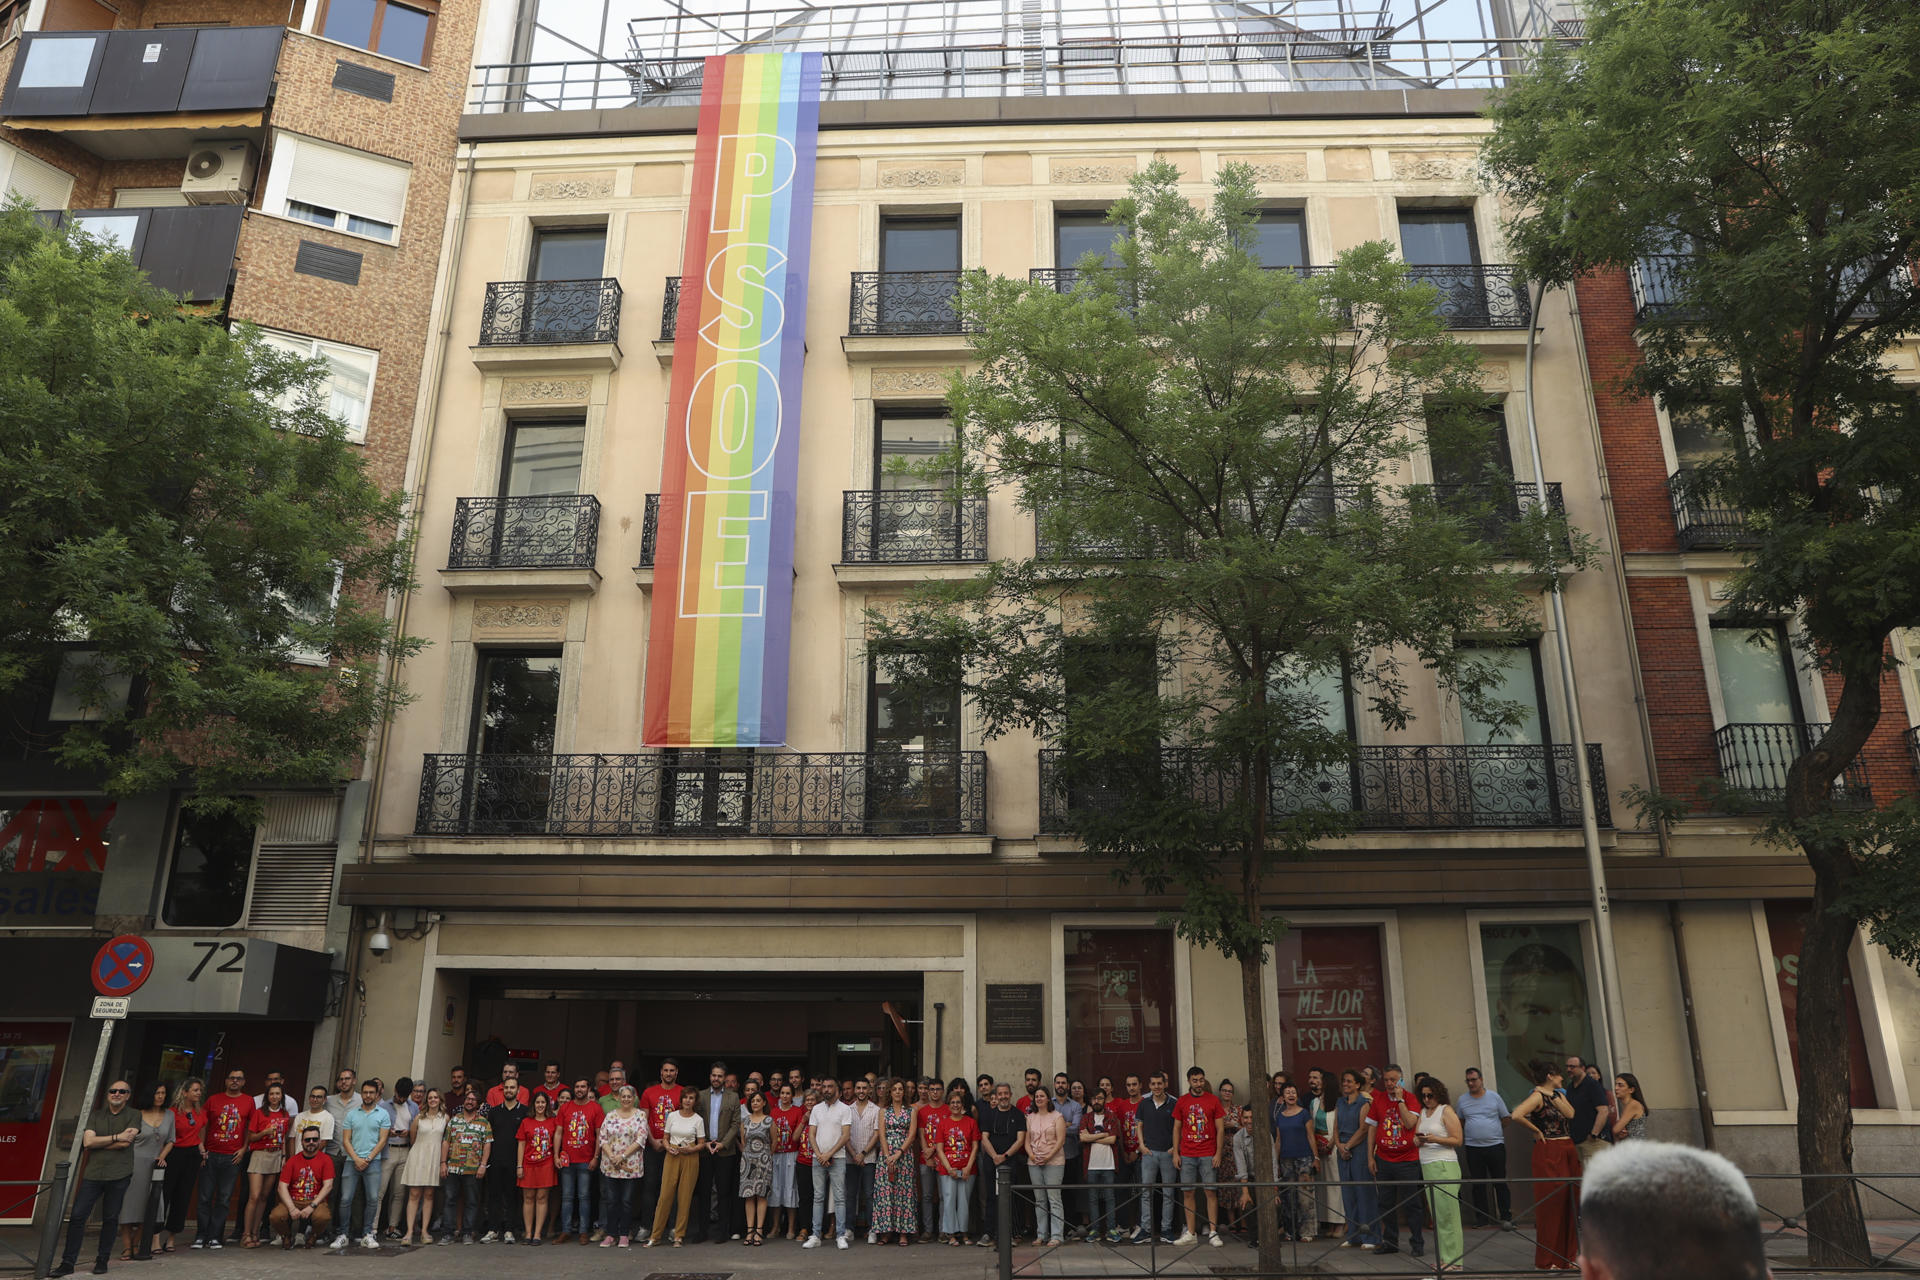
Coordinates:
(723, 579)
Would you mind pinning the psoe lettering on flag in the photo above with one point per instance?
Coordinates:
(721, 629)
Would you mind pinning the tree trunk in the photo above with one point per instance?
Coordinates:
(1260, 1078)
(1836, 1227)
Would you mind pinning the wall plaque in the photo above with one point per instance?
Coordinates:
(1016, 1013)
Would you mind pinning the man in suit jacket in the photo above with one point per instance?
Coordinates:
(716, 1193)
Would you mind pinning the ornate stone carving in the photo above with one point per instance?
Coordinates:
(1291, 167)
(545, 390)
(518, 615)
(580, 186)
(913, 382)
(1495, 377)
(922, 175)
(1432, 166)
(1115, 171)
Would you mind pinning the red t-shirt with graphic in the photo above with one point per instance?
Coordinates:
(228, 1116)
(304, 1176)
(957, 1136)
(931, 1114)
(1196, 1124)
(657, 1101)
(538, 1135)
(788, 1124)
(580, 1130)
(268, 1130)
(1124, 1112)
(1397, 1141)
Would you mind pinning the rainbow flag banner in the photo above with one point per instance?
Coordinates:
(717, 644)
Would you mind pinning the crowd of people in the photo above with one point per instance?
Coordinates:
(818, 1162)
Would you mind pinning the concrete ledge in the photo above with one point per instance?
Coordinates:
(507, 582)
(584, 357)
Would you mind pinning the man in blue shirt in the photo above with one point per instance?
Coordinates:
(363, 1136)
(1155, 1122)
(1483, 1154)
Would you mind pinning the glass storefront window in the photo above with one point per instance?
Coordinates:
(1787, 931)
(212, 860)
(1333, 998)
(1538, 996)
(1120, 1007)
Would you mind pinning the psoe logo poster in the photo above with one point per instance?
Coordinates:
(721, 627)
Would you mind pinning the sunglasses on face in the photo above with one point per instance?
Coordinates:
(119, 1091)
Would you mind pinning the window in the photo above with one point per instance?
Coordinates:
(72, 704)
(1280, 238)
(121, 231)
(400, 31)
(13, 18)
(919, 244)
(1078, 233)
(1787, 933)
(33, 179)
(1511, 775)
(930, 722)
(542, 458)
(561, 255)
(913, 744)
(1537, 991)
(1120, 1006)
(207, 883)
(1438, 238)
(516, 702)
(1328, 786)
(336, 187)
(149, 198)
(1485, 460)
(1699, 434)
(314, 610)
(1756, 675)
(57, 63)
(569, 253)
(905, 443)
(1333, 993)
(348, 386)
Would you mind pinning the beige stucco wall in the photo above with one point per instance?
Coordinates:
(1440, 981)
(1015, 947)
(1730, 1005)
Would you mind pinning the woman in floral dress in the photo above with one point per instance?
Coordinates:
(623, 1135)
(896, 1181)
(756, 1165)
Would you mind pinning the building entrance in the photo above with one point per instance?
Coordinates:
(768, 1021)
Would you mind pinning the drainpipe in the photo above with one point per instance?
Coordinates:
(1589, 823)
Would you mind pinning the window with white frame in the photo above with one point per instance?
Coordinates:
(336, 187)
(44, 186)
(348, 386)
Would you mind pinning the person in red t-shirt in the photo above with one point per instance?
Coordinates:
(1196, 1130)
(658, 1101)
(305, 1181)
(1393, 1159)
(926, 1122)
(229, 1116)
(538, 1150)
(580, 1117)
(789, 1127)
(956, 1146)
(497, 1095)
(183, 1162)
(266, 1152)
(551, 1084)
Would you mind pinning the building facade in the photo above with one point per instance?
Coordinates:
(570, 895)
(290, 165)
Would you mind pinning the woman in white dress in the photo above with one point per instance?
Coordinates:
(420, 1176)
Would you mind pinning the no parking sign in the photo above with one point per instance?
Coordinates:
(122, 966)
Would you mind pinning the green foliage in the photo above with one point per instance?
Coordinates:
(1173, 424)
(161, 509)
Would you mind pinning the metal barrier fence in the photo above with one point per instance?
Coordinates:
(1889, 1201)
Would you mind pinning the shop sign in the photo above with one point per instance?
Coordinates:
(1333, 996)
(32, 1059)
(53, 850)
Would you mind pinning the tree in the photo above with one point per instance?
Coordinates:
(1217, 456)
(1760, 156)
(178, 513)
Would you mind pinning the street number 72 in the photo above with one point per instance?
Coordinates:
(230, 965)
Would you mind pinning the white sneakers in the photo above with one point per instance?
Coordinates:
(840, 1242)
(339, 1242)
(369, 1241)
(1213, 1238)
(1187, 1237)
(873, 1237)
(813, 1242)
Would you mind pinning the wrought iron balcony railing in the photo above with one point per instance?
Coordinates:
(670, 309)
(1384, 788)
(547, 531)
(1315, 507)
(705, 793)
(1913, 746)
(1701, 522)
(1755, 758)
(1496, 508)
(520, 313)
(904, 303)
(1478, 296)
(1063, 279)
(1657, 280)
(649, 530)
(912, 526)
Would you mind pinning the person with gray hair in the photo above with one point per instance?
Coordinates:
(1655, 1210)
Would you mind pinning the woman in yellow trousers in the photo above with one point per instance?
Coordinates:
(1440, 1139)
(685, 1136)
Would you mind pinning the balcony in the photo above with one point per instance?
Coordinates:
(912, 526)
(1702, 524)
(553, 322)
(1477, 296)
(705, 793)
(188, 251)
(1314, 508)
(546, 531)
(1913, 745)
(1755, 758)
(903, 303)
(1414, 788)
(142, 93)
(1657, 278)
(649, 531)
(1494, 509)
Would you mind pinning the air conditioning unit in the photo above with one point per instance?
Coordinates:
(219, 171)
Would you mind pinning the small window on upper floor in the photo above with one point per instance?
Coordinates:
(348, 388)
(1438, 238)
(1280, 238)
(912, 243)
(207, 881)
(400, 31)
(1079, 232)
(336, 187)
(84, 690)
